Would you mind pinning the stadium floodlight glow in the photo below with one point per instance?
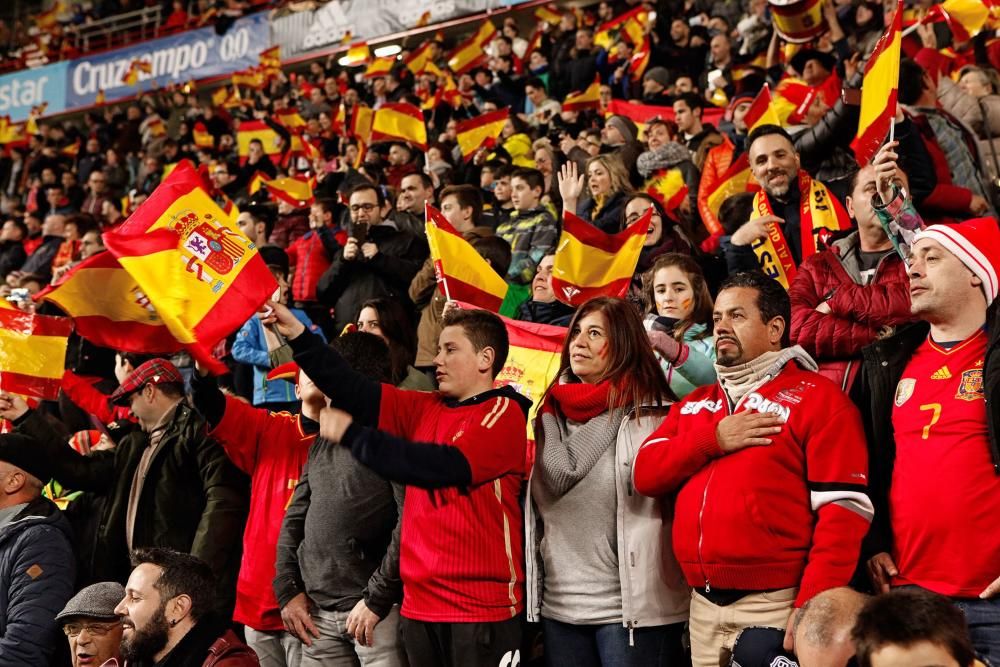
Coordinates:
(386, 51)
(344, 62)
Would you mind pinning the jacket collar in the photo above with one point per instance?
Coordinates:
(506, 391)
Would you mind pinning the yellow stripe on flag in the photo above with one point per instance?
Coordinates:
(118, 299)
(595, 267)
(879, 92)
(396, 121)
(459, 260)
(35, 355)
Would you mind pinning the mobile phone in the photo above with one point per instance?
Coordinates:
(665, 324)
(359, 230)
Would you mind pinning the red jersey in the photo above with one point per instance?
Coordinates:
(945, 496)
(462, 550)
(272, 448)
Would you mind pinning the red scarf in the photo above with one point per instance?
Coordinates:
(579, 401)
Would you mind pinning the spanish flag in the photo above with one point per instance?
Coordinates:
(256, 129)
(417, 59)
(481, 131)
(761, 111)
(290, 119)
(131, 76)
(203, 277)
(256, 182)
(108, 307)
(400, 121)
(72, 150)
(293, 190)
(965, 18)
(668, 188)
(32, 353)
(548, 14)
(738, 178)
(462, 273)
(632, 24)
(878, 91)
(356, 55)
(590, 263)
(156, 127)
(270, 57)
(219, 96)
(470, 53)
(587, 99)
(202, 137)
(252, 77)
(379, 67)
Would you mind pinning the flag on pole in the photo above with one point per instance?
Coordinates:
(965, 18)
(879, 91)
(32, 353)
(356, 55)
(471, 52)
(590, 263)
(293, 190)
(480, 131)
(108, 307)
(203, 277)
(761, 111)
(586, 99)
(202, 137)
(379, 67)
(462, 273)
(548, 14)
(400, 121)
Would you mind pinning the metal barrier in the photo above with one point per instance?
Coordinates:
(117, 30)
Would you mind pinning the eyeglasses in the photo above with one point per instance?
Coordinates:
(634, 218)
(95, 629)
(367, 208)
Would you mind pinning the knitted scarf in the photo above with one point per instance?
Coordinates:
(738, 381)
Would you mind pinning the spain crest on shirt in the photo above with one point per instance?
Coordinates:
(971, 386)
(904, 390)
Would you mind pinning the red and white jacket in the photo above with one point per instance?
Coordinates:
(792, 513)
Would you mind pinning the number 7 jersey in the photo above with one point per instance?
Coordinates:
(945, 496)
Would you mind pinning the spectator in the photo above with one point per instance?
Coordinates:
(607, 185)
(12, 255)
(377, 260)
(415, 192)
(40, 261)
(168, 615)
(688, 110)
(846, 297)
(622, 136)
(387, 319)
(166, 485)
(460, 496)
(540, 109)
(679, 322)
(787, 194)
(311, 255)
(91, 625)
(543, 307)
(337, 578)
(907, 627)
(928, 423)
(601, 575)
(747, 567)
(36, 552)
(96, 194)
(531, 230)
(655, 84)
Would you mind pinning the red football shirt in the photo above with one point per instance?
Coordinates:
(462, 551)
(945, 496)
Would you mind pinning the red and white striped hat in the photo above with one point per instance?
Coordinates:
(976, 243)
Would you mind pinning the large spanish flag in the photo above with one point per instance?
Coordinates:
(586, 99)
(400, 121)
(203, 277)
(878, 91)
(108, 307)
(462, 273)
(257, 129)
(965, 18)
(32, 353)
(590, 263)
(480, 131)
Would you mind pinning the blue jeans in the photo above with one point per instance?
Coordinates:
(569, 645)
(983, 617)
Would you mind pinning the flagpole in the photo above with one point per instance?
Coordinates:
(892, 130)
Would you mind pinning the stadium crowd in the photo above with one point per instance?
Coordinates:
(744, 460)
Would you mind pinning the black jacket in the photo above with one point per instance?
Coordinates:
(36, 581)
(884, 363)
(193, 500)
(12, 256)
(348, 284)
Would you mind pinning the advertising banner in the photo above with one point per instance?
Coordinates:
(358, 20)
(20, 91)
(197, 54)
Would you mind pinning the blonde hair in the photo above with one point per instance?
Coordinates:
(616, 170)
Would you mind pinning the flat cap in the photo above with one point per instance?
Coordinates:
(94, 601)
(154, 371)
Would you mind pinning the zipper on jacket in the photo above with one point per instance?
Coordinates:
(701, 531)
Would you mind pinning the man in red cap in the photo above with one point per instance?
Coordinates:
(166, 484)
(935, 455)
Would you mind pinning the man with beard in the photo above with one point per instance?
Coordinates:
(168, 619)
(768, 470)
(793, 216)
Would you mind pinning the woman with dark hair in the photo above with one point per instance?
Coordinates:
(679, 322)
(386, 319)
(600, 570)
(664, 235)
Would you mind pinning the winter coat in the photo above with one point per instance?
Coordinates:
(193, 500)
(948, 198)
(425, 295)
(348, 284)
(609, 218)
(653, 590)
(12, 256)
(209, 644)
(717, 163)
(556, 313)
(36, 580)
(989, 135)
(858, 311)
(250, 347)
(310, 256)
(698, 369)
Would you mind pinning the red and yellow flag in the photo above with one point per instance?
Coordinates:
(109, 309)
(590, 263)
(418, 58)
(290, 119)
(669, 188)
(400, 121)
(549, 14)
(738, 178)
(131, 75)
(379, 67)
(965, 18)
(270, 57)
(293, 190)
(462, 273)
(72, 150)
(630, 26)
(481, 131)
(257, 129)
(219, 96)
(32, 353)
(202, 137)
(470, 53)
(587, 99)
(253, 77)
(203, 277)
(356, 55)
(878, 91)
(761, 111)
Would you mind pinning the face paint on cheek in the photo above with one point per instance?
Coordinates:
(685, 304)
(603, 352)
